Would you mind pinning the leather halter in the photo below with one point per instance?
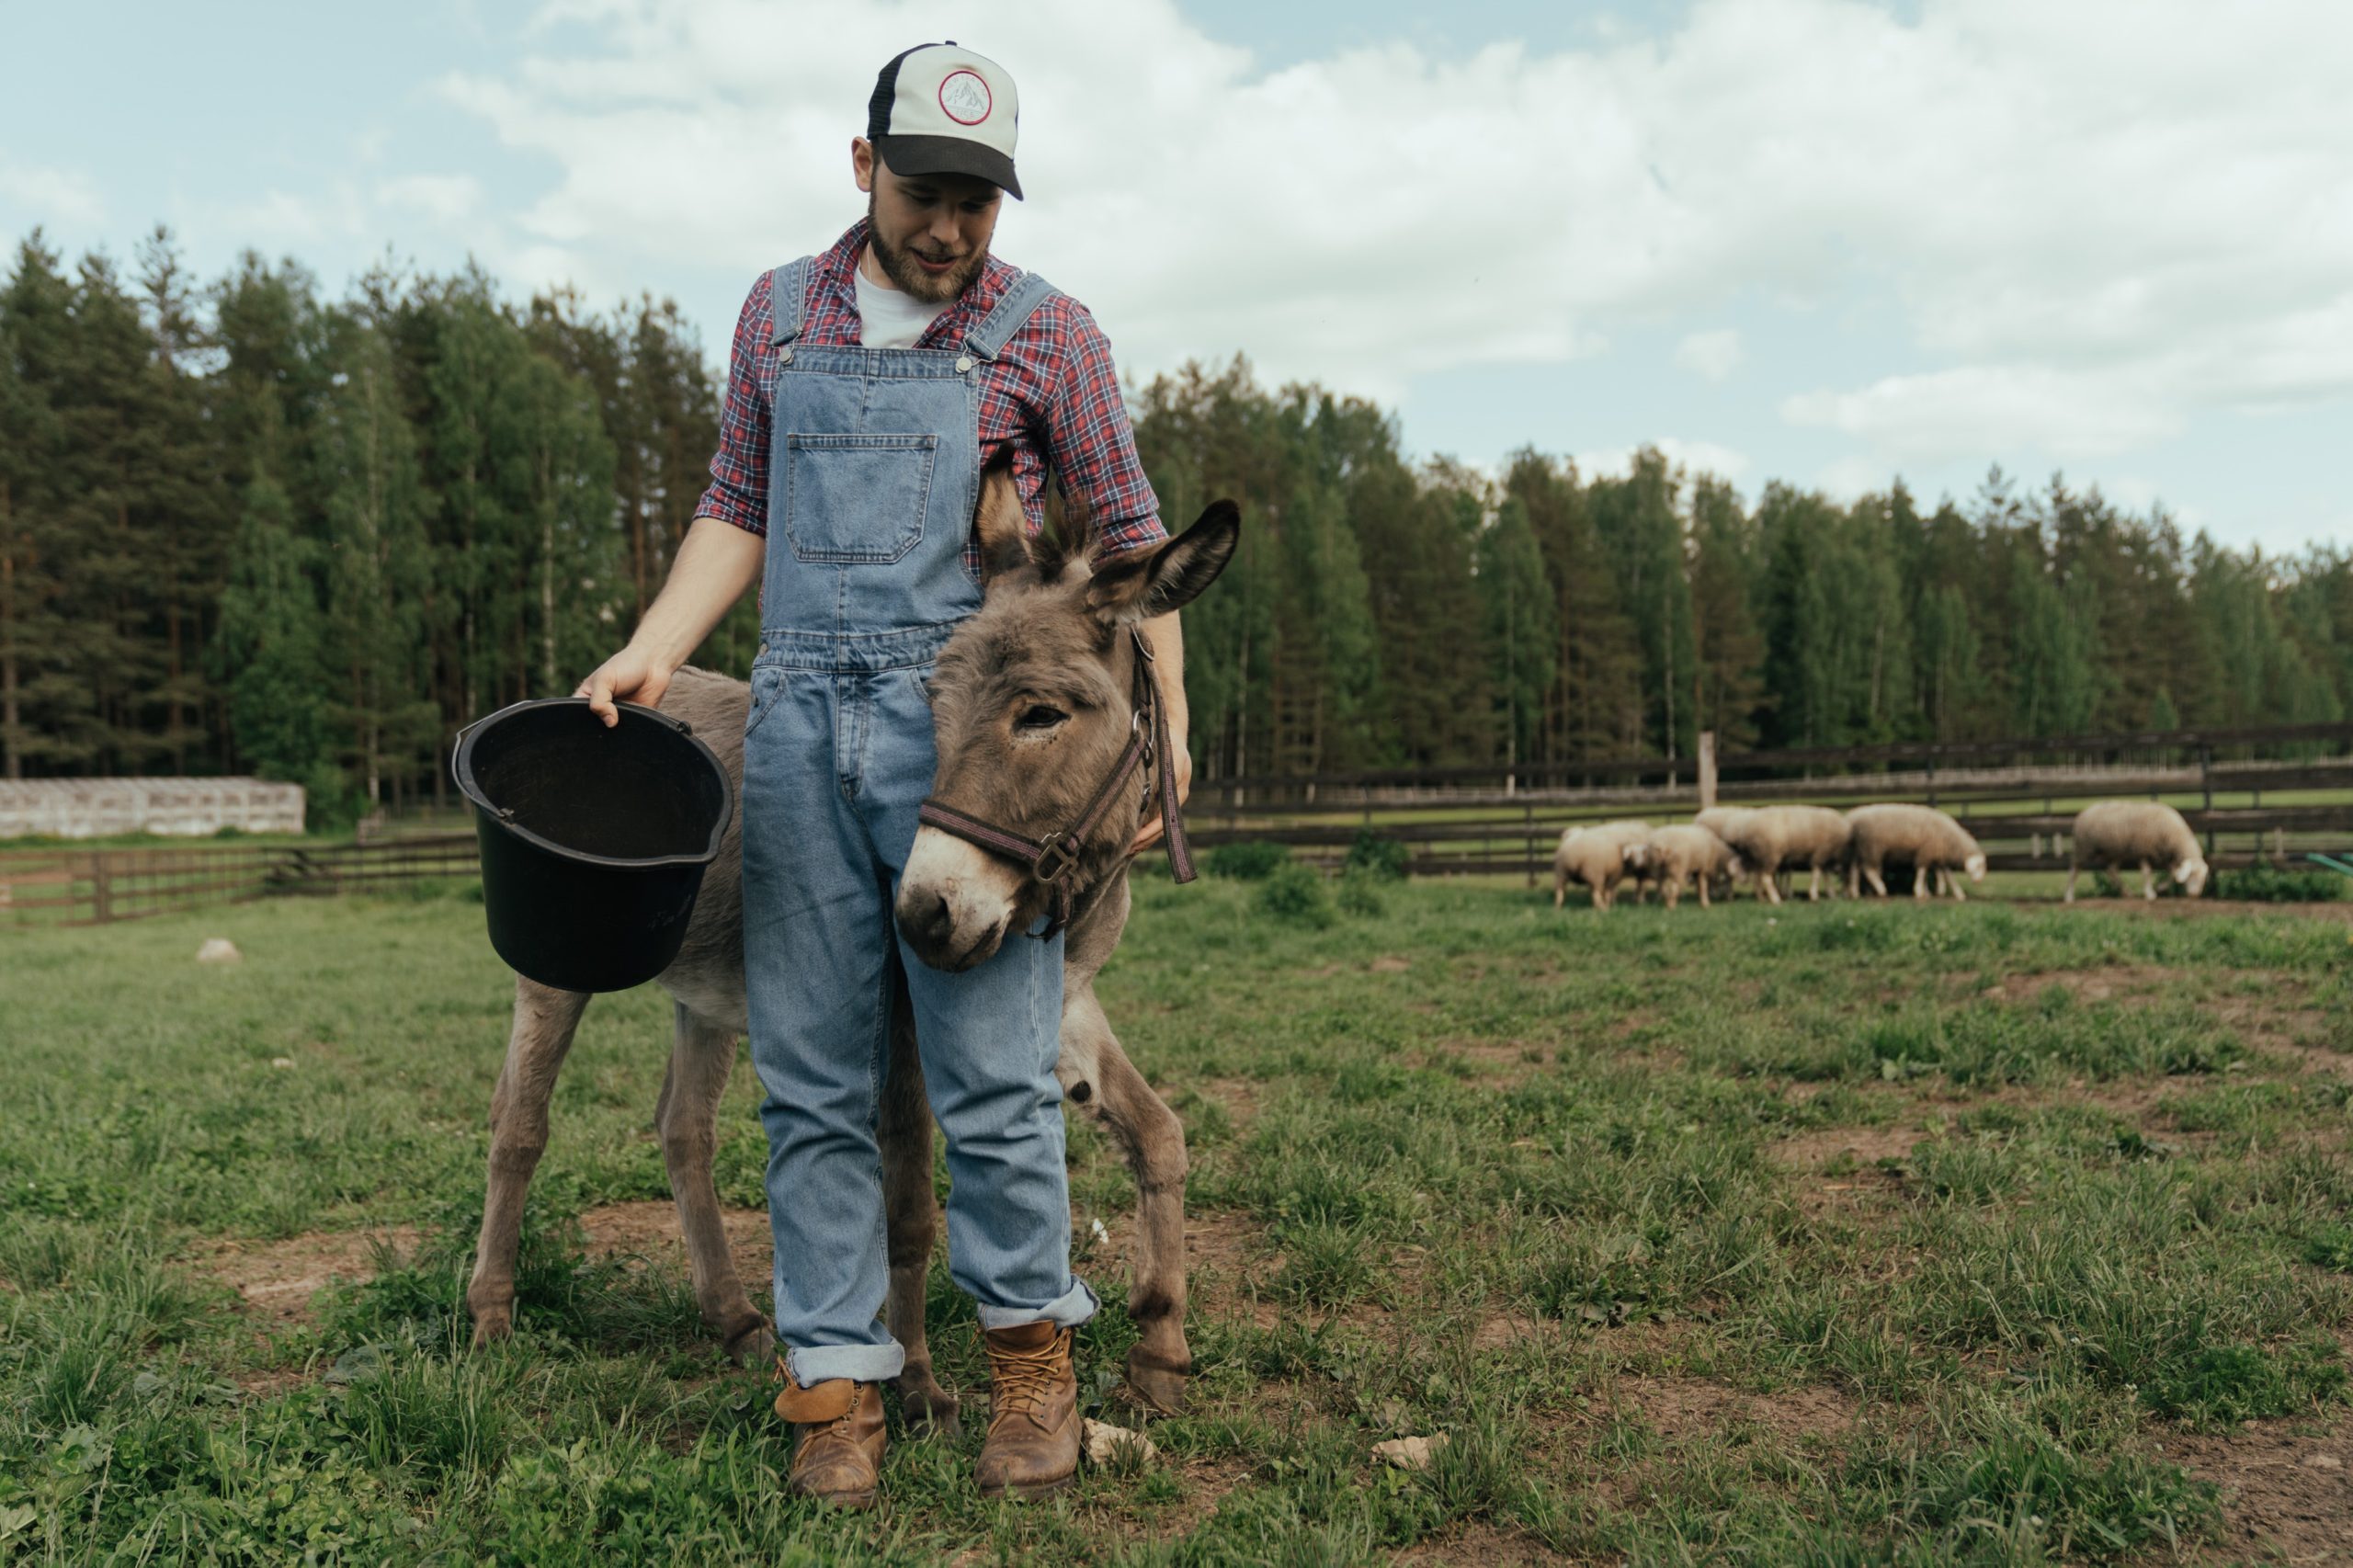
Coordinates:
(1052, 859)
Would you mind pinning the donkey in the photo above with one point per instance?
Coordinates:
(1035, 703)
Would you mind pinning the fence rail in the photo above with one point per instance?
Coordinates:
(88, 887)
(1923, 763)
(1452, 821)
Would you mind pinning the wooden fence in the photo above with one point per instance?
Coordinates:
(2018, 796)
(86, 887)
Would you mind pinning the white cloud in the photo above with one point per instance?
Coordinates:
(49, 195)
(1711, 356)
(443, 199)
(2094, 221)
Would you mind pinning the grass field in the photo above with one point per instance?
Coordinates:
(1828, 1235)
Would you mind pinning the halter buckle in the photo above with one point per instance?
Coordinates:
(1056, 858)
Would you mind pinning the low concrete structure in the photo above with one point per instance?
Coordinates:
(87, 808)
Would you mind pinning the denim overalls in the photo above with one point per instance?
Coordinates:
(874, 470)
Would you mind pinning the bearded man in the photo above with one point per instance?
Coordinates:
(869, 387)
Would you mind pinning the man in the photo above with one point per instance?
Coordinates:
(868, 387)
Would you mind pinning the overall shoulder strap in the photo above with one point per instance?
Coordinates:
(788, 299)
(1012, 314)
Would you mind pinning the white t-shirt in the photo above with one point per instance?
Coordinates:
(892, 318)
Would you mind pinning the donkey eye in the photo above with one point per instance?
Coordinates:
(1038, 716)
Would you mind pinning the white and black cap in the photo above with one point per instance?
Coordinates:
(942, 109)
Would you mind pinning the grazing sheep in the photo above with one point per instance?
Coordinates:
(1691, 853)
(1599, 856)
(1770, 838)
(2117, 833)
(1931, 842)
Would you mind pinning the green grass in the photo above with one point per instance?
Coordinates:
(1819, 1234)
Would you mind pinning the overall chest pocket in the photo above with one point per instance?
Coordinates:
(857, 498)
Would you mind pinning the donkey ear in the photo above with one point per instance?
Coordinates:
(999, 521)
(1148, 582)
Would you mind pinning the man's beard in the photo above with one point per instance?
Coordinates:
(901, 267)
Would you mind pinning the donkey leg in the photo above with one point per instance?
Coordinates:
(1095, 1074)
(701, 1056)
(911, 1220)
(544, 1021)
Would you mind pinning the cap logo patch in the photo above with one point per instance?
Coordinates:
(965, 97)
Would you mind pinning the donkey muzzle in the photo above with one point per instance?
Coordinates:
(956, 901)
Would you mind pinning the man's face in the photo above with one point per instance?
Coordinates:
(930, 232)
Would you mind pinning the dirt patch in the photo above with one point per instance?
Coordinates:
(1856, 1151)
(1504, 1062)
(1225, 1256)
(2126, 983)
(2285, 1492)
(1477, 1546)
(649, 1229)
(1813, 1150)
(1238, 1097)
(1501, 1331)
(1389, 963)
(277, 1279)
(1682, 1409)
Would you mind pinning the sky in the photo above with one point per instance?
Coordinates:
(1825, 241)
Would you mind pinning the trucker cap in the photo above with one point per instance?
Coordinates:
(941, 109)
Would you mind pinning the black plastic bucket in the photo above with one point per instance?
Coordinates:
(594, 840)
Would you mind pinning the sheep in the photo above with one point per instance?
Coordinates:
(1767, 838)
(1599, 856)
(1689, 853)
(1927, 837)
(2117, 833)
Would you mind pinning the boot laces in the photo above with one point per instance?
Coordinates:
(1022, 1378)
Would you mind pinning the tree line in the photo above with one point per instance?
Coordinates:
(248, 528)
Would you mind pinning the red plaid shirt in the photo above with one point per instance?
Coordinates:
(1053, 394)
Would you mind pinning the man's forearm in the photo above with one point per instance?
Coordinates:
(1167, 640)
(715, 564)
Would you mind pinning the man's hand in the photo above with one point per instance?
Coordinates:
(631, 676)
(1155, 825)
(715, 564)
(1166, 639)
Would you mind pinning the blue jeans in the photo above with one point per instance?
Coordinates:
(875, 466)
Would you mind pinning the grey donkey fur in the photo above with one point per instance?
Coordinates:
(706, 985)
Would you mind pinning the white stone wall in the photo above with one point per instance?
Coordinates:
(85, 807)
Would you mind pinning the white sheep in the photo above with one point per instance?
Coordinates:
(1689, 853)
(1931, 842)
(2117, 833)
(1770, 839)
(1600, 856)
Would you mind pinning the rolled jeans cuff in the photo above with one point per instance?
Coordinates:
(860, 1363)
(1067, 1310)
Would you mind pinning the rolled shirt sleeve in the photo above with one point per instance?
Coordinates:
(1091, 444)
(739, 469)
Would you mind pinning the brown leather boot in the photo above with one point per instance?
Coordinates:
(838, 1438)
(1032, 1447)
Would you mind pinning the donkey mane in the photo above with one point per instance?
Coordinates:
(1071, 539)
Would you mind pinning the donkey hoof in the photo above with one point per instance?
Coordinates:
(492, 1325)
(931, 1410)
(1157, 1388)
(753, 1343)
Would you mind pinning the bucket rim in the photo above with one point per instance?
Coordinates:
(462, 766)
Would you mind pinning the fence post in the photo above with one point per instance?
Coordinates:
(1706, 769)
(1527, 817)
(101, 906)
(2206, 783)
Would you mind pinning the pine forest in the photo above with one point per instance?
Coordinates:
(247, 528)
